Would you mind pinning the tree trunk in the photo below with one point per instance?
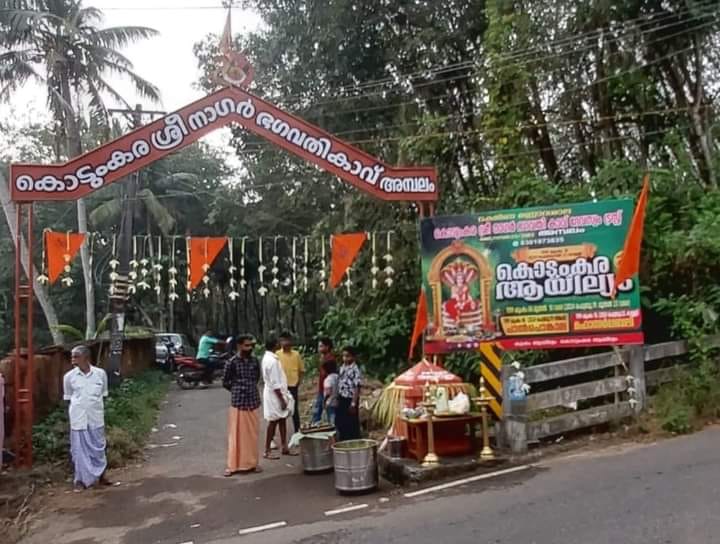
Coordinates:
(40, 294)
(74, 149)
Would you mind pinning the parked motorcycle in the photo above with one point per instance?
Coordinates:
(190, 372)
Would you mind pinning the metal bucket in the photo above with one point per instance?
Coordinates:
(316, 454)
(355, 465)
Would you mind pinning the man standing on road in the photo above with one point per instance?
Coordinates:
(85, 387)
(241, 378)
(278, 404)
(325, 347)
(294, 368)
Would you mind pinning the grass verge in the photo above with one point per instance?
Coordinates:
(130, 413)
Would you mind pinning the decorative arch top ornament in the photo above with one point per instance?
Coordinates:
(106, 164)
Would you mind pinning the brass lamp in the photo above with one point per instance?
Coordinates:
(431, 459)
(486, 454)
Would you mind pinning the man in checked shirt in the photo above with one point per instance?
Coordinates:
(242, 374)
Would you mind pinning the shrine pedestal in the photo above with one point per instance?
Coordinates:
(454, 436)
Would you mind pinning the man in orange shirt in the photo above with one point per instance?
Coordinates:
(294, 368)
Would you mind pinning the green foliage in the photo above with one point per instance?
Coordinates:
(381, 336)
(130, 413)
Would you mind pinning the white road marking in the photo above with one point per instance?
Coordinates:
(346, 509)
(468, 480)
(259, 528)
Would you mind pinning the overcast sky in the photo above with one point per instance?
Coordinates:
(167, 60)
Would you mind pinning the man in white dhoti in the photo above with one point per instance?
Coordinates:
(85, 387)
(278, 403)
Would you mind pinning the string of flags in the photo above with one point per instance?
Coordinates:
(292, 263)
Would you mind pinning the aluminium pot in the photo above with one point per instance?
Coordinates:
(355, 465)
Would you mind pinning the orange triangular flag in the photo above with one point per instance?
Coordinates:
(202, 254)
(345, 248)
(629, 264)
(226, 43)
(60, 249)
(421, 321)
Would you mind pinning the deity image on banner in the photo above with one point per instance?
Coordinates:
(460, 279)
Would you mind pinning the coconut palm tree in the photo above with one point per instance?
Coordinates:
(60, 45)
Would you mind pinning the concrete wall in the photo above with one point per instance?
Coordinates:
(52, 363)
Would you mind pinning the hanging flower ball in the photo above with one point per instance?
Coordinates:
(206, 292)
(388, 282)
(172, 270)
(114, 276)
(158, 267)
(263, 291)
(232, 269)
(205, 267)
(134, 263)
(144, 262)
(67, 282)
(243, 284)
(42, 279)
(114, 264)
(133, 275)
(66, 268)
(233, 295)
(275, 259)
(173, 296)
(275, 283)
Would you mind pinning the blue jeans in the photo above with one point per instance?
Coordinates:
(330, 411)
(318, 408)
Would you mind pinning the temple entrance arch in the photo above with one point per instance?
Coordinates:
(119, 158)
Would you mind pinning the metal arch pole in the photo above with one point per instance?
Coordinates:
(17, 358)
(30, 366)
(23, 368)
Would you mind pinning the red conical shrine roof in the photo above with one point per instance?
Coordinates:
(426, 372)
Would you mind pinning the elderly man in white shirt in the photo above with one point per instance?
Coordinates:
(85, 387)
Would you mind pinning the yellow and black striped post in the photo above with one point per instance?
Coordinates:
(490, 370)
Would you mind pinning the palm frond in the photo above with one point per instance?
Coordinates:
(143, 87)
(69, 331)
(122, 36)
(160, 214)
(107, 213)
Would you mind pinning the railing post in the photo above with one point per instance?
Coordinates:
(514, 424)
(637, 371)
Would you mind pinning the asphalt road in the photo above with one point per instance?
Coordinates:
(664, 493)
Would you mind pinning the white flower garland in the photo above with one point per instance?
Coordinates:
(172, 274)
(261, 269)
(233, 295)
(389, 270)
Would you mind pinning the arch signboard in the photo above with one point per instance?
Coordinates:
(118, 158)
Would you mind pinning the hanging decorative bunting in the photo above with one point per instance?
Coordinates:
(43, 278)
(243, 281)
(172, 274)
(274, 270)
(306, 280)
(188, 294)
(261, 269)
(143, 284)
(233, 282)
(345, 248)
(114, 263)
(294, 265)
(158, 268)
(323, 265)
(133, 274)
(389, 270)
(202, 253)
(60, 249)
(374, 267)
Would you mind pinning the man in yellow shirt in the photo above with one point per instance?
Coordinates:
(294, 368)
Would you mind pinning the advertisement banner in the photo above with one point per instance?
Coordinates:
(531, 278)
